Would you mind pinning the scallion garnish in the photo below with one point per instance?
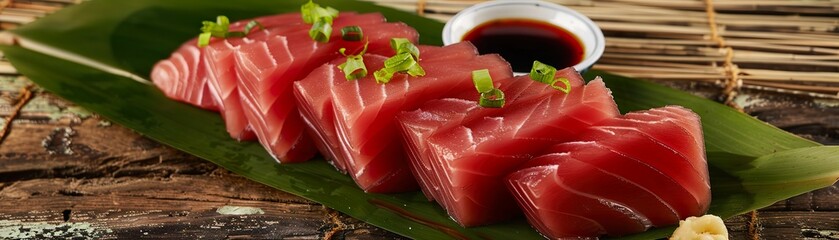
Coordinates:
(542, 73)
(210, 29)
(383, 76)
(320, 18)
(352, 33)
(252, 24)
(491, 97)
(483, 81)
(320, 31)
(400, 62)
(403, 45)
(566, 88)
(547, 74)
(308, 12)
(406, 60)
(221, 29)
(354, 67)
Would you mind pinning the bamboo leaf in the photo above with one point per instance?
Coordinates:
(751, 184)
(746, 157)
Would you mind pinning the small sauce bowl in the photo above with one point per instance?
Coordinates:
(586, 31)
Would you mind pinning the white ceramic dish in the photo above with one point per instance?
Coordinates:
(584, 28)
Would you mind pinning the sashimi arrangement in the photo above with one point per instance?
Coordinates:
(484, 144)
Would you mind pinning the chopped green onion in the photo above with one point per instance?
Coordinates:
(204, 39)
(218, 28)
(542, 73)
(252, 24)
(396, 42)
(400, 62)
(490, 96)
(307, 11)
(566, 88)
(352, 33)
(321, 19)
(383, 75)
(221, 29)
(354, 67)
(213, 29)
(321, 31)
(406, 60)
(332, 13)
(547, 74)
(492, 99)
(312, 12)
(416, 70)
(401, 45)
(483, 81)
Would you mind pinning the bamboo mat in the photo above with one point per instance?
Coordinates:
(787, 46)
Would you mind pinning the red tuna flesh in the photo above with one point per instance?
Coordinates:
(419, 124)
(365, 117)
(470, 160)
(646, 168)
(188, 76)
(267, 69)
(222, 77)
(314, 97)
(183, 76)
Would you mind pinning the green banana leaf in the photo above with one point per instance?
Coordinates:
(752, 164)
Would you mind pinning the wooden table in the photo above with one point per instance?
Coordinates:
(67, 173)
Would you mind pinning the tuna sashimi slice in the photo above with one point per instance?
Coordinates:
(638, 164)
(315, 105)
(314, 97)
(184, 75)
(294, 60)
(470, 160)
(419, 124)
(188, 74)
(581, 218)
(222, 76)
(267, 70)
(365, 117)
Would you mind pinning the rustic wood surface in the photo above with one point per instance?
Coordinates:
(67, 173)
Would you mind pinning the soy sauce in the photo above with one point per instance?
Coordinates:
(521, 41)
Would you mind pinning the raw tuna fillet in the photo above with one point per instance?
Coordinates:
(418, 125)
(365, 116)
(314, 97)
(183, 76)
(188, 74)
(267, 69)
(622, 176)
(471, 159)
(221, 74)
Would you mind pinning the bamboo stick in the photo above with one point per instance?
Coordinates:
(799, 87)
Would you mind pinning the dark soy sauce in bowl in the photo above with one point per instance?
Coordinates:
(521, 41)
